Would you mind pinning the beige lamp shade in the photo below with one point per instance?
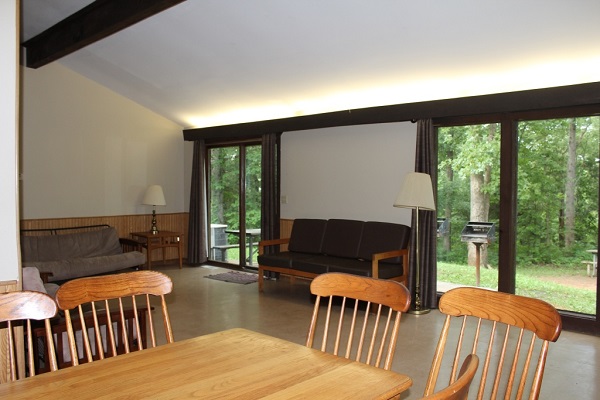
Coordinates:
(416, 192)
(154, 196)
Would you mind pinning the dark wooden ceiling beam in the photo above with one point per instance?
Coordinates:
(94, 22)
(524, 101)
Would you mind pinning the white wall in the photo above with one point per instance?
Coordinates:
(87, 151)
(347, 172)
(9, 243)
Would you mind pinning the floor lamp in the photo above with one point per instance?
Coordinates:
(416, 193)
(154, 197)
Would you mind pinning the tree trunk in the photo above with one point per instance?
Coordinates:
(570, 185)
(448, 210)
(217, 192)
(480, 204)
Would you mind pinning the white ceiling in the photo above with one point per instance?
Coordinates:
(215, 62)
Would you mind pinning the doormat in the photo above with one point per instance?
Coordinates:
(234, 277)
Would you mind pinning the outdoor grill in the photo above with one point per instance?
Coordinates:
(478, 232)
(443, 227)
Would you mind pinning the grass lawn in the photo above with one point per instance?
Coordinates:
(554, 288)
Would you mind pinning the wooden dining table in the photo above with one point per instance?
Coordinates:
(235, 363)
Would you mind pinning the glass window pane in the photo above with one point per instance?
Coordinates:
(253, 203)
(557, 223)
(468, 200)
(224, 203)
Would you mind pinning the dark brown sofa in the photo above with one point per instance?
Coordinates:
(317, 246)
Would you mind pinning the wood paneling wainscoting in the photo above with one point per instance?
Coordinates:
(125, 224)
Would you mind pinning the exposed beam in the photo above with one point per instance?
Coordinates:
(94, 22)
(528, 100)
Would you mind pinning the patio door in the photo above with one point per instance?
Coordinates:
(234, 176)
(539, 186)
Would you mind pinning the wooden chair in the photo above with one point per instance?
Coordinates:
(98, 291)
(506, 330)
(374, 334)
(459, 390)
(26, 306)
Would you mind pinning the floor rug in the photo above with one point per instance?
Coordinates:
(234, 277)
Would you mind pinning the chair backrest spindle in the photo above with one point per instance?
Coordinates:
(106, 291)
(506, 331)
(364, 337)
(26, 306)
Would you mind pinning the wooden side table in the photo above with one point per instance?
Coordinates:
(160, 240)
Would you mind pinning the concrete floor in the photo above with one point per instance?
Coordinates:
(199, 306)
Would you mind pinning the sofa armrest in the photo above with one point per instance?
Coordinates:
(272, 242)
(391, 254)
(130, 245)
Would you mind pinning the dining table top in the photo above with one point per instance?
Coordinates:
(236, 363)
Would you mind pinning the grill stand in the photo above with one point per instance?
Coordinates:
(477, 262)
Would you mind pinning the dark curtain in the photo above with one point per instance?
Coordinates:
(270, 187)
(426, 162)
(197, 240)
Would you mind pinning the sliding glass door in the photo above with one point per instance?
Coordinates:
(557, 215)
(535, 181)
(235, 203)
(467, 206)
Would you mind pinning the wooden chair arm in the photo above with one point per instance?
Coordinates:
(271, 242)
(390, 254)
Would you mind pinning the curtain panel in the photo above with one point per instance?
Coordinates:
(270, 188)
(426, 162)
(197, 239)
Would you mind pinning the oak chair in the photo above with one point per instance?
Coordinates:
(102, 295)
(459, 390)
(368, 328)
(26, 306)
(506, 330)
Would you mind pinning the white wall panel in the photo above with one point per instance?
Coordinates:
(347, 172)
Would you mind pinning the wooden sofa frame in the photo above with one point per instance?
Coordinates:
(310, 275)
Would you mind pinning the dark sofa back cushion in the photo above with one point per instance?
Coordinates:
(342, 238)
(102, 242)
(378, 237)
(307, 235)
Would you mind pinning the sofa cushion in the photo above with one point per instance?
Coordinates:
(101, 242)
(363, 268)
(307, 235)
(282, 259)
(86, 266)
(342, 238)
(317, 264)
(378, 237)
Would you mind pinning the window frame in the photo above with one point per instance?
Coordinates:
(508, 196)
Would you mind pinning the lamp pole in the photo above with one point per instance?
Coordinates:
(416, 193)
(417, 309)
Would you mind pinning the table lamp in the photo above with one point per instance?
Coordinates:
(416, 193)
(154, 197)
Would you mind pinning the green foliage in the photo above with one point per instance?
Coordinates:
(224, 186)
(541, 175)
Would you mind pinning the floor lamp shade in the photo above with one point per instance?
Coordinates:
(154, 197)
(416, 193)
